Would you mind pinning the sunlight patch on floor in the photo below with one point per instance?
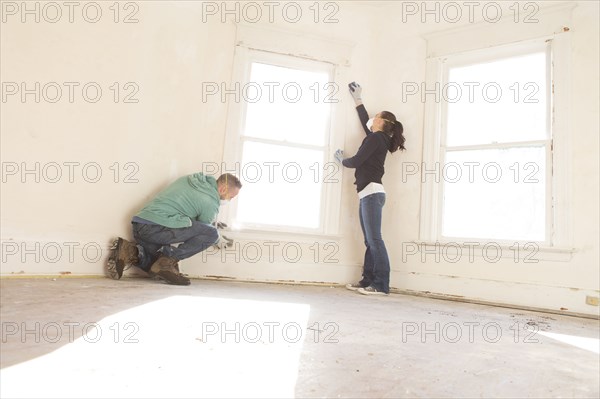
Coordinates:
(181, 346)
(589, 344)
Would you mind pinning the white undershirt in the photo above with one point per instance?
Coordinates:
(371, 188)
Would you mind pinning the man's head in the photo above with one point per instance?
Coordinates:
(228, 186)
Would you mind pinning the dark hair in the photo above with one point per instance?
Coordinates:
(230, 180)
(394, 129)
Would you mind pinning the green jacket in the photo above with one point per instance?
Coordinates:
(189, 197)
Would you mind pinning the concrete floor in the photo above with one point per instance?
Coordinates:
(230, 339)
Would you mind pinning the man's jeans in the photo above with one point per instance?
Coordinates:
(155, 239)
(376, 269)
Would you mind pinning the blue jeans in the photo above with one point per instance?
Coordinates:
(153, 239)
(376, 269)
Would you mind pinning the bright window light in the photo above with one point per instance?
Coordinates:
(284, 139)
(287, 193)
(292, 111)
(503, 198)
(496, 149)
(498, 102)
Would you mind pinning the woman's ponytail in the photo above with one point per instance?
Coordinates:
(395, 130)
(397, 139)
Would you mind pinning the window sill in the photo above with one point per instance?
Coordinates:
(271, 235)
(490, 251)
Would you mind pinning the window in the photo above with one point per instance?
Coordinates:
(282, 140)
(494, 148)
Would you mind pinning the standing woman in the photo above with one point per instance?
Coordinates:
(384, 133)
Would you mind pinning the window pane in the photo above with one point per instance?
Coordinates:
(280, 187)
(499, 101)
(500, 196)
(287, 104)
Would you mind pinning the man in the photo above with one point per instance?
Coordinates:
(180, 214)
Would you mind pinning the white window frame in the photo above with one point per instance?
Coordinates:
(558, 223)
(261, 45)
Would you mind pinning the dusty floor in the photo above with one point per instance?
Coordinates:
(226, 339)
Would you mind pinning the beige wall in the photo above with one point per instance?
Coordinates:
(170, 131)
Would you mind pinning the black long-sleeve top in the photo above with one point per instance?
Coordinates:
(370, 158)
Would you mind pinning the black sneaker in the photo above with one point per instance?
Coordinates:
(354, 287)
(370, 290)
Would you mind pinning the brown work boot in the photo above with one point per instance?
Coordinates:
(167, 269)
(123, 253)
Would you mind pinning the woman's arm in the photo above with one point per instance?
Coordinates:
(364, 152)
(363, 115)
(356, 93)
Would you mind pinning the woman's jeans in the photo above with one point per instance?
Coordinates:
(153, 239)
(376, 269)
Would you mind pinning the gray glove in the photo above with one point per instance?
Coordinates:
(356, 92)
(223, 242)
(219, 225)
(339, 155)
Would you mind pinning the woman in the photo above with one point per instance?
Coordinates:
(384, 133)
